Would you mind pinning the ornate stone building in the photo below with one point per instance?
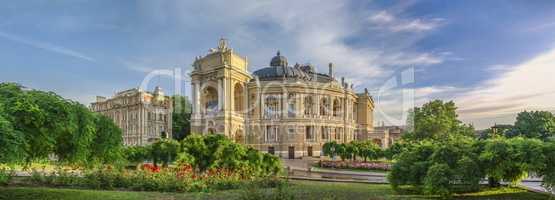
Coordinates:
(286, 110)
(142, 116)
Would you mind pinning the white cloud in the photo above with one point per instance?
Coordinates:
(528, 86)
(317, 35)
(382, 17)
(416, 25)
(388, 21)
(46, 46)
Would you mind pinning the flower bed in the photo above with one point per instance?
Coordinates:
(355, 165)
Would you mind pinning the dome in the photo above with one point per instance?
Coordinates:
(269, 73)
(278, 60)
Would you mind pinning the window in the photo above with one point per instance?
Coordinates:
(324, 106)
(272, 133)
(308, 105)
(309, 133)
(291, 132)
(291, 110)
(325, 133)
(336, 108)
(271, 107)
(338, 133)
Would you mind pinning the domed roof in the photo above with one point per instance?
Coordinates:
(278, 60)
(279, 70)
(269, 73)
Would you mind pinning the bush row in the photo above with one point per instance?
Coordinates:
(166, 180)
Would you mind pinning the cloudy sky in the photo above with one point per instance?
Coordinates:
(493, 58)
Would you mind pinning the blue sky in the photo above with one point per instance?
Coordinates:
(494, 58)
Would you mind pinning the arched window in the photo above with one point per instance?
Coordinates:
(324, 106)
(210, 99)
(336, 108)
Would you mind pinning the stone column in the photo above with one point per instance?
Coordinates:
(197, 99)
(220, 94)
(194, 98)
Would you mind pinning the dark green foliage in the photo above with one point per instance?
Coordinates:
(136, 154)
(438, 166)
(330, 149)
(181, 117)
(36, 124)
(164, 150)
(437, 120)
(12, 142)
(366, 150)
(510, 159)
(108, 144)
(547, 169)
(441, 155)
(396, 149)
(216, 151)
(5, 176)
(535, 124)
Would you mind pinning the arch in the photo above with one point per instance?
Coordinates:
(324, 103)
(238, 98)
(336, 107)
(211, 131)
(210, 99)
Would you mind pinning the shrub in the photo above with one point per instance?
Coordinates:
(438, 179)
(5, 176)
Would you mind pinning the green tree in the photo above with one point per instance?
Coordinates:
(217, 151)
(535, 124)
(369, 150)
(510, 159)
(164, 150)
(437, 120)
(438, 166)
(330, 149)
(43, 123)
(181, 117)
(136, 154)
(107, 144)
(194, 145)
(343, 151)
(12, 142)
(547, 169)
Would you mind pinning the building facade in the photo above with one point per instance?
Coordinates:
(290, 111)
(385, 136)
(142, 116)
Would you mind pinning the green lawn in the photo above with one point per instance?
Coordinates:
(305, 190)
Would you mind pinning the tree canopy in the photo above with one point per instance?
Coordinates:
(181, 117)
(437, 120)
(35, 124)
(535, 124)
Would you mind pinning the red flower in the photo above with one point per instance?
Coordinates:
(151, 168)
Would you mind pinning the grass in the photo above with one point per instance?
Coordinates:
(305, 190)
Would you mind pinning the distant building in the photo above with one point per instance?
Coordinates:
(385, 136)
(501, 129)
(142, 116)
